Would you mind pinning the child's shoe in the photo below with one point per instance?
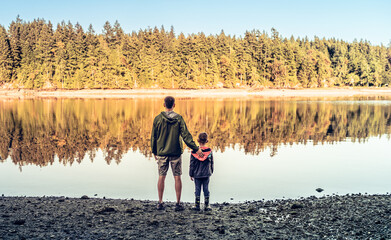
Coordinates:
(160, 206)
(197, 205)
(179, 207)
(207, 207)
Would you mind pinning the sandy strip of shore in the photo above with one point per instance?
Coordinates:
(204, 93)
(332, 217)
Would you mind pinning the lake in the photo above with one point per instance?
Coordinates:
(263, 148)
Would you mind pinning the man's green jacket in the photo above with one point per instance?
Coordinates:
(168, 130)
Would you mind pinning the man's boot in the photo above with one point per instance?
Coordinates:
(197, 204)
(207, 207)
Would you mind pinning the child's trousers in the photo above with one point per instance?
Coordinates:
(204, 182)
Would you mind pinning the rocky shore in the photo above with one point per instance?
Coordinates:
(332, 217)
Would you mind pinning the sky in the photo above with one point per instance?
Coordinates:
(342, 19)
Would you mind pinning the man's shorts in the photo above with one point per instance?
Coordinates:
(176, 165)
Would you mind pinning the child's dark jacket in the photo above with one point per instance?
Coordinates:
(201, 167)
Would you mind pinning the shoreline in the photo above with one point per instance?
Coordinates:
(353, 216)
(199, 93)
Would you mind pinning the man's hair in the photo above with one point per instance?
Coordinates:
(203, 137)
(169, 101)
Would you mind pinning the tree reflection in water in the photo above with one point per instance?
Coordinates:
(36, 131)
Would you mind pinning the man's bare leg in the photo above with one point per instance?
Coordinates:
(178, 188)
(160, 187)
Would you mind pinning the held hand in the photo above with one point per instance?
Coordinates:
(191, 178)
(155, 157)
(200, 153)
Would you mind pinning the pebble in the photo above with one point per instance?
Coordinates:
(19, 222)
(319, 190)
(106, 210)
(221, 229)
(296, 206)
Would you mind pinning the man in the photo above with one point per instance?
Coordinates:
(168, 130)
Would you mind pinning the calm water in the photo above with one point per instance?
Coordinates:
(263, 148)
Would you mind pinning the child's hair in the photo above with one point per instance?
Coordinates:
(169, 101)
(203, 137)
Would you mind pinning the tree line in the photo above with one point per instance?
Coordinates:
(70, 130)
(36, 55)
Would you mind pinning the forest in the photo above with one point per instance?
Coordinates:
(42, 130)
(37, 55)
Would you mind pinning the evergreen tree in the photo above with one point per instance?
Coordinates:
(5, 57)
(15, 29)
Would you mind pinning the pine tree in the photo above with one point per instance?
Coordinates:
(109, 34)
(44, 57)
(15, 29)
(5, 57)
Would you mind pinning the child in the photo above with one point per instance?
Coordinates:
(201, 168)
